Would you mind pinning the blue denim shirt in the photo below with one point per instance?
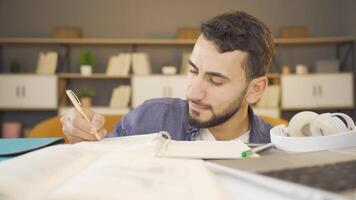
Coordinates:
(170, 114)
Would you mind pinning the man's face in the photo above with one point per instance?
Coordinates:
(216, 84)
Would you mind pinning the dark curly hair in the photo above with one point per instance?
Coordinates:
(241, 31)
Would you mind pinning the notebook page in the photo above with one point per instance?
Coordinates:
(146, 143)
(138, 177)
(35, 174)
(204, 149)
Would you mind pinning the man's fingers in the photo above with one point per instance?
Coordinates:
(102, 133)
(71, 130)
(88, 112)
(98, 121)
(73, 139)
(81, 123)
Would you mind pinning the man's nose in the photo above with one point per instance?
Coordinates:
(195, 90)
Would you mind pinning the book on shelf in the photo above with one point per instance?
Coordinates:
(120, 97)
(270, 98)
(47, 63)
(131, 167)
(141, 64)
(119, 65)
(185, 65)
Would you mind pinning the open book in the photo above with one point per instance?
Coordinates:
(114, 168)
(199, 149)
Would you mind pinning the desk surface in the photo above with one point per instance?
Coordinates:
(274, 159)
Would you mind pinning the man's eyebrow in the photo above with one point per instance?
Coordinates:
(209, 73)
(192, 64)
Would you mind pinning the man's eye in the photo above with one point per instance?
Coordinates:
(215, 82)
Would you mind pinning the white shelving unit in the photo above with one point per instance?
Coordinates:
(138, 92)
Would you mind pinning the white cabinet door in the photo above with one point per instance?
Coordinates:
(40, 92)
(335, 90)
(317, 91)
(177, 86)
(157, 86)
(28, 92)
(297, 92)
(10, 92)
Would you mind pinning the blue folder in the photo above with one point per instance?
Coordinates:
(17, 146)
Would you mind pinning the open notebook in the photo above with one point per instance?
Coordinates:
(133, 167)
(163, 146)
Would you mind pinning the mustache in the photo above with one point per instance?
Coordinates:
(199, 103)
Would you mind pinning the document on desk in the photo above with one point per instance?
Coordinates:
(118, 168)
(160, 144)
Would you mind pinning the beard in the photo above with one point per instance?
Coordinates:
(217, 118)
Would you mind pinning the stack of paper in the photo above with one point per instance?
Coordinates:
(47, 63)
(119, 65)
(120, 97)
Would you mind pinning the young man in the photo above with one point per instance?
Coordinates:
(227, 73)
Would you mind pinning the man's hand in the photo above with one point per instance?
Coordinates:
(77, 129)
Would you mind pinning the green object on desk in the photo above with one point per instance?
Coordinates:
(263, 147)
(246, 154)
(17, 146)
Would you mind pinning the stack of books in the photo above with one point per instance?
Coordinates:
(47, 63)
(185, 65)
(120, 97)
(119, 65)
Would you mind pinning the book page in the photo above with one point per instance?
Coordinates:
(35, 174)
(204, 149)
(146, 143)
(136, 177)
(114, 168)
(40, 172)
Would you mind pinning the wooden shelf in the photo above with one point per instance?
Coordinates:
(104, 110)
(314, 40)
(318, 108)
(93, 76)
(27, 109)
(175, 42)
(96, 41)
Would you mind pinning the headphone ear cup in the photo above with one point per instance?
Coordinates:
(299, 124)
(350, 124)
(326, 124)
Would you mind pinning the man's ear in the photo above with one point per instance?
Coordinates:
(256, 89)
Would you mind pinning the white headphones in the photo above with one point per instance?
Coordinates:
(309, 123)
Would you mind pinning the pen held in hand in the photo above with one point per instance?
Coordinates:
(77, 105)
(261, 148)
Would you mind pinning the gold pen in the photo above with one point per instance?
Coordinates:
(76, 102)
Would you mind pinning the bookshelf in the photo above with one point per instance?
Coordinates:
(344, 50)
